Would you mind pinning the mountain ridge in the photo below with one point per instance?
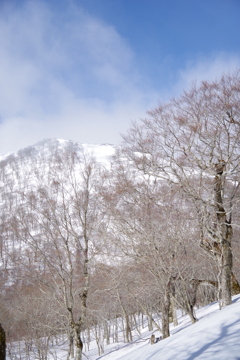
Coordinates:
(60, 143)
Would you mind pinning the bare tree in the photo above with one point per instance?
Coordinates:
(58, 220)
(193, 142)
(155, 229)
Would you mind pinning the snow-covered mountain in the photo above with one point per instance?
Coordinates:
(20, 171)
(102, 152)
(17, 169)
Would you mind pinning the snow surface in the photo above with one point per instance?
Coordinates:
(102, 152)
(216, 336)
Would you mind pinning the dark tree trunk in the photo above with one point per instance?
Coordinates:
(2, 344)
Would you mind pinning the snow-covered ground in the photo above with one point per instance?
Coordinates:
(216, 336)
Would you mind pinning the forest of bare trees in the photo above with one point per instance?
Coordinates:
(89, 248)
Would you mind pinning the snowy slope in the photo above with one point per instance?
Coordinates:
(216, 336)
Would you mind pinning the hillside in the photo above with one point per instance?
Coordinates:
(72, 229)
(215, 336)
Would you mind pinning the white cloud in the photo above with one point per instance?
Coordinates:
(206, 68)
(64, 75)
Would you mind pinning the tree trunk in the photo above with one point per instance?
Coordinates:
(173, 306)
(235, 285)
(144, 308)
(226, 273)
(224, 235)
(150, 323)
(190, 312)
(99, 339)
(137, 324)
(128, 329)
(78, 342)
(2, 344)
(165, 312)
(107, 332)
(116, 330)
(174, 311)
(71, 344)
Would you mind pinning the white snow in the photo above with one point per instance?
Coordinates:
(102, 152)
(216, 336)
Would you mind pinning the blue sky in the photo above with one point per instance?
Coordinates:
(84, 69)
